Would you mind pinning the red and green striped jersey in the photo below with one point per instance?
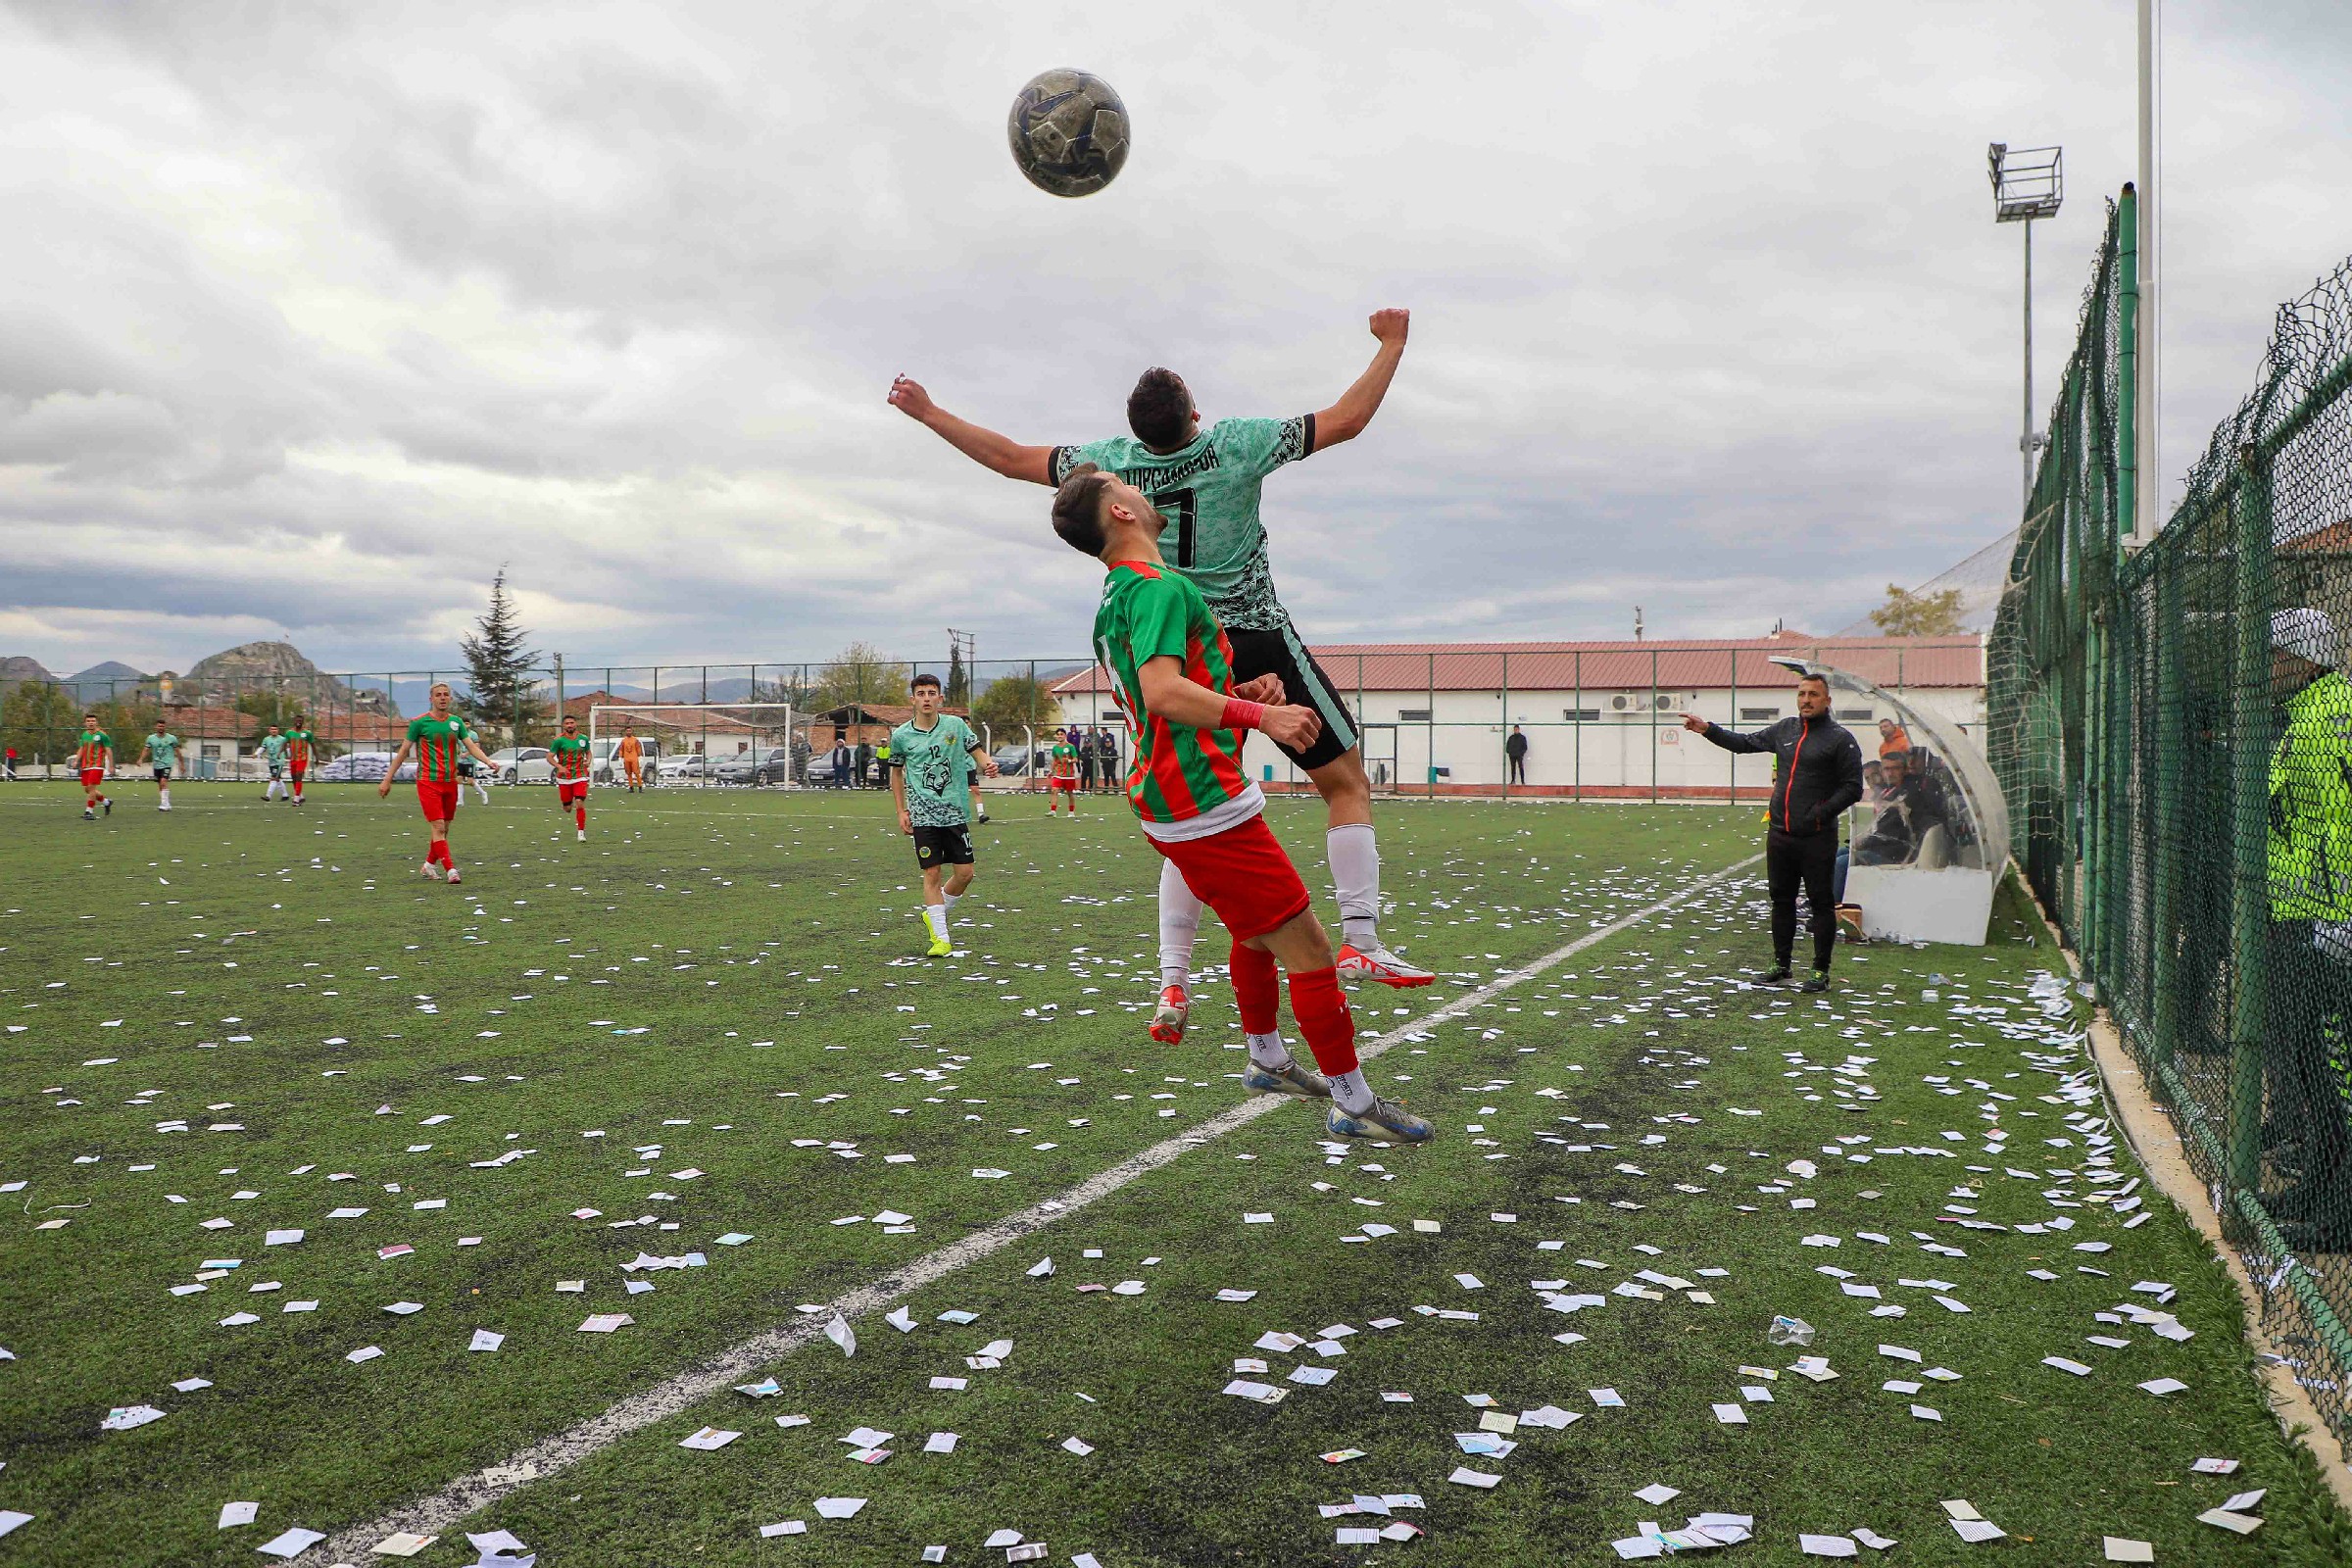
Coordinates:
(438, 741)
(569, 754)
(1179, 773)
(94, 743)
(298, 747)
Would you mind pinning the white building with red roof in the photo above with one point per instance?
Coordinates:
(1601, 719)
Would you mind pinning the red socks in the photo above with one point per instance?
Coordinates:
(1257, 987)
(1321, 1009)
(579, 814)
(437, 852)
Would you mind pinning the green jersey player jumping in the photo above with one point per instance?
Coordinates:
(1206, 481)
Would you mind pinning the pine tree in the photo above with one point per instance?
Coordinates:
(499, 665)
(959, 682)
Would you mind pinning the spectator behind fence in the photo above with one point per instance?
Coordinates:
(1515, 749)
(2309, 1081)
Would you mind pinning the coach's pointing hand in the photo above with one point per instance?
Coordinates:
(1691, 721)
(1292, 727)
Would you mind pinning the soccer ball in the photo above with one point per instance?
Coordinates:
(1069, 133)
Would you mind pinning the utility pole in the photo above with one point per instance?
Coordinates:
(2026, 184)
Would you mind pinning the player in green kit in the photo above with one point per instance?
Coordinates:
(438, 740)
(932, 758)
(273, 757)
(162, 751)
(299, 741)
(569, 754)
(1171, 668)
(1207, 481)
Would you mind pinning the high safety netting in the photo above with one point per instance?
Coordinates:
(2172, 728)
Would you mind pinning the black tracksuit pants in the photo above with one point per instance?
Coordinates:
(1810, 858)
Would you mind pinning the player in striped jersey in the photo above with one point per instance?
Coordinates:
(437, 740)
(94, 755)
(1207, 478)
(569, 751)
(299, 741)
(1172, 670)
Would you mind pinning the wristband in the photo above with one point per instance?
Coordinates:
(1240, 715)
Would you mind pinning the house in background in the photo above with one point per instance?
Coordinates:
(1601, 719)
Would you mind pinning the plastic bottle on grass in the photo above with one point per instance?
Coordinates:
(1790, 1331)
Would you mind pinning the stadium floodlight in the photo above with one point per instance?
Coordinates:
(2026, 184)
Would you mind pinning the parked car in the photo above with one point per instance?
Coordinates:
(528, 764)
(689, 767)
(1013, 762)
(743, 768)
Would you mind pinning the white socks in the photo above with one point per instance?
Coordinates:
(1179, 926)
(1351, 1094)
(1354, 856)
(1268, 1051)
(948, 909)
(271, 793)
(935, 915)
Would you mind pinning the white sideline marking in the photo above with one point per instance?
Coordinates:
(737, 1364)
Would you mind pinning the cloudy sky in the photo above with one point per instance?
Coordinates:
(319, 313)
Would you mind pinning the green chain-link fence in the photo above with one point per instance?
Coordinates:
(2172, 727)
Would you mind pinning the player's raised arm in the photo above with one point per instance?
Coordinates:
(1168, 695)
(1345, 419)
(992, 450)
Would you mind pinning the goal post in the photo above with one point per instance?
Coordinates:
(701, 744)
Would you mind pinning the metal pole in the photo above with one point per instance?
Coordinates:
(1579, 776)
(1430, 721)
(2025, 442)
(1653, 726)
(1507, 723)
(2141, 226)
(2129, 520)
(1730, 759)
(2250, 734)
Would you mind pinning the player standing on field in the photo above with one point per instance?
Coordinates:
(299, 741)
(438, 739)
(569, 754)
(273, 757)
(1172, 670)
(932, 758)
(94, 755)
(1207, 482)
(1063, 783)
(632, 754)
(161, 749)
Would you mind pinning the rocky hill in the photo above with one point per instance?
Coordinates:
(16, 666)
(264, 666)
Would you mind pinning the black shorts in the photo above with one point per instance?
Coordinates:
(1281, 653)
(943, 846)
(163, 775)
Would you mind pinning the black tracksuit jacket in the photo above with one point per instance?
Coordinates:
(1816, 770)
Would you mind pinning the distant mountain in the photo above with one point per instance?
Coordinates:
(271, 666)
(101, 682)
(16, 666)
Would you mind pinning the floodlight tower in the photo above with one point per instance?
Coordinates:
(2026, 184)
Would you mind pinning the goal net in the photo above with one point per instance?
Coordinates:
(699, 744)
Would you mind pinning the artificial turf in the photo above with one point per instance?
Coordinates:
(250, 999)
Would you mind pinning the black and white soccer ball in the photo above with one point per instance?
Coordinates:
(1069, 133)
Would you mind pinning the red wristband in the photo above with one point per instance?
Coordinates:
(1240, 714)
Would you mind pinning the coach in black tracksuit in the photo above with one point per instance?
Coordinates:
(1816, 776)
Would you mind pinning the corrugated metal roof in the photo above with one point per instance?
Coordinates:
(1604, 666)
